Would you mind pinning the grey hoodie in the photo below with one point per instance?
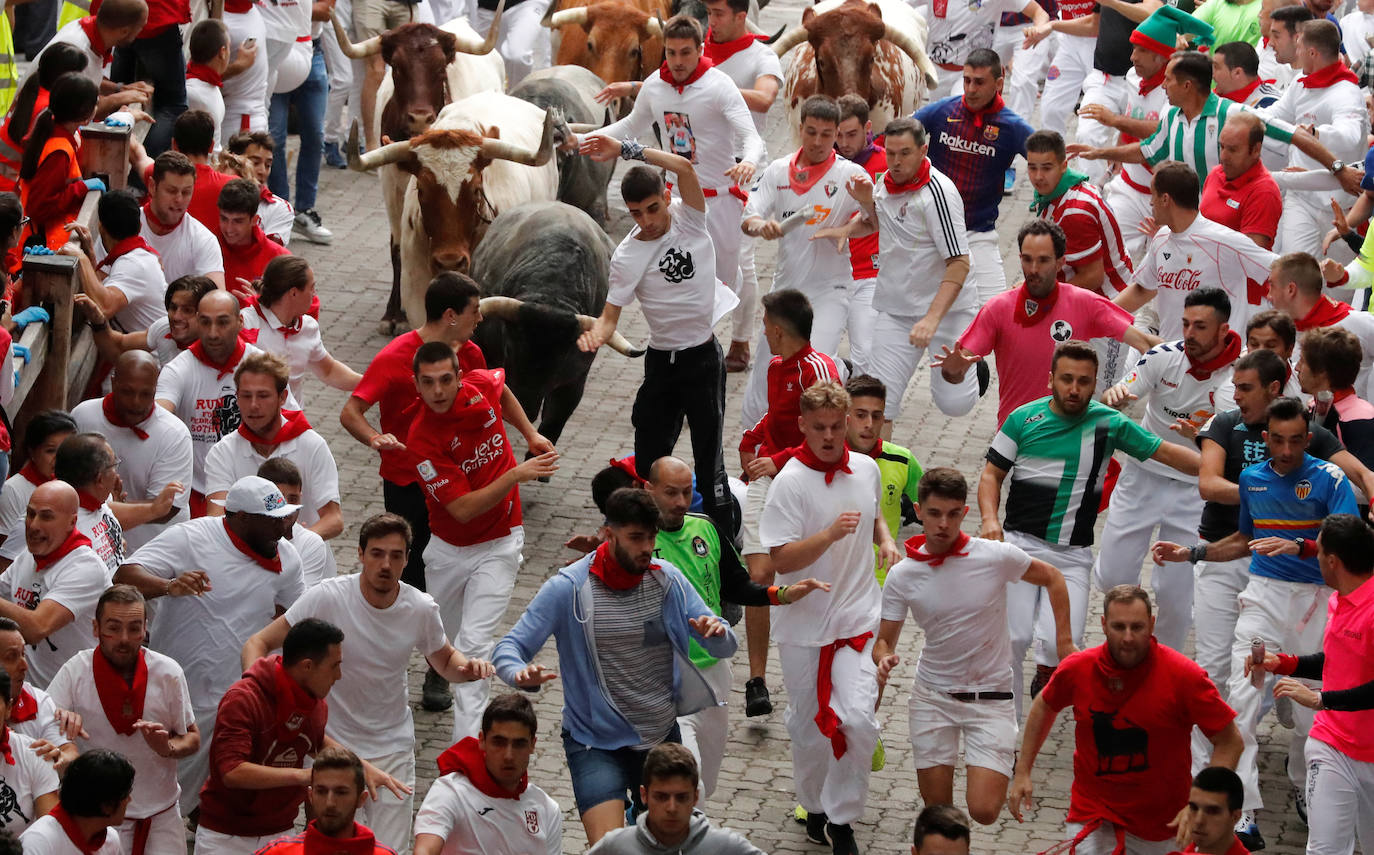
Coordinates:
(702, 839)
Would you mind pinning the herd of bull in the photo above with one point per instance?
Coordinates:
(471, 182)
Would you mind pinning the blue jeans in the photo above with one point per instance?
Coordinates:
(310, 100)
(600, 775)
(158, 60)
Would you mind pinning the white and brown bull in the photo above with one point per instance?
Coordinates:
(485, 154)
(617, 40)
(873, 49)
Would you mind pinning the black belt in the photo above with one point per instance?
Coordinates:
(969, 697)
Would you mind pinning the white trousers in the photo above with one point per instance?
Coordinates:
(723, 214)
(1103, 842)
(1130, 207)
(389, 816)
(986, 271)
(743, 320)
(213, 843)
(704, 732)
(523, 43)
(861, 321)
(472, 586)
(1073, 62)
(893, 360)
(288, 64)
(1112, 93)
(1306, 219)
(1029, 614)
(1028, 68)
(1216, 590)
(345, 77)
(1291, 618)
(1142, 501)
(950, 83)
(835, 787)
(166, 833)
(1340, 801)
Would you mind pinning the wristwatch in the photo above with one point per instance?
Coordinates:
(1302, 545)
(1337, 166)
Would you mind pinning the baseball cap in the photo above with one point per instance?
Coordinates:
(253, 495)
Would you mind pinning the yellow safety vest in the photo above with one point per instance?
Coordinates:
(9, 70)
(73, 10)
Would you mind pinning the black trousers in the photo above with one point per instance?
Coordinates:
(686, 384)
(408, 502)
(158, 60)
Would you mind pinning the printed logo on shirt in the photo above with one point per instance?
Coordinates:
(226, 416)
(486, 453)
(427, 470)
(532, 821)
(831, 188)
(1061, 330)
(1120, 750)
(1186, 279)
(699, 546)
(1302, 489)
(960, 144)
(681, 141)
(991, 132)
(9, 804)
(676, 265)
(28, 597)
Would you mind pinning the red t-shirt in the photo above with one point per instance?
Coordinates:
(787, 379)
(1132, 753)
(464, 450)
(248, 262)
(863, 251)
(1250, 205)
(389, 382)
(1236, 848)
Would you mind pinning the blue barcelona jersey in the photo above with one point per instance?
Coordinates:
(975, 151)
(1291, 506)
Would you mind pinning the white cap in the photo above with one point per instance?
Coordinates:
(253, 495)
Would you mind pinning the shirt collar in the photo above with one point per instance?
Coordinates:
(1358, 597)
(1209, 107)
(1247, 177)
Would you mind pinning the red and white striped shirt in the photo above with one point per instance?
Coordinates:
(787, 379)
(1093, 234)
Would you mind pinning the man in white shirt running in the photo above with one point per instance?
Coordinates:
(184, 246)
(383, 620)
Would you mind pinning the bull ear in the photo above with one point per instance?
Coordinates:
(808, 15)
(388, 47)
(448, 42)
(875, 10)
(493, 132)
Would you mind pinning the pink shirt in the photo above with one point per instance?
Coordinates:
(1349, 649)
(1023, 351)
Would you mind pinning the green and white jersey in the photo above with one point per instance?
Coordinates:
(695, 550)
(1195, 142)
(1057, 465)
(899, 473)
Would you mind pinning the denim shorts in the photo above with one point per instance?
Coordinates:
(604, 775)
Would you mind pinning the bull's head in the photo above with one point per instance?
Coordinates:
(845, 43)
(507, 309)
(447, 166)
(615, 40)
(419, 56)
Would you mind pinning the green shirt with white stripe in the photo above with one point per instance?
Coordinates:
(899, 474)
(1057, 465)
(1195, 142)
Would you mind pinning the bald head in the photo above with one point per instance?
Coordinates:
(670, 485)
(217, 301)
(218, 324)
(50, 517)
(670, 468)
(137, 365)
(133, 386)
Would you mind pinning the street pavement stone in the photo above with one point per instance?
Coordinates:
(755, 793)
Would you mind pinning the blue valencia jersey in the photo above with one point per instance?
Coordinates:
(1291, 506)
(975, 150)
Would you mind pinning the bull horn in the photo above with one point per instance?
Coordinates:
(616, 342)
(907, 45)
(789, 40)
(760, 31)
(584, 127)
(352, 49)
(370, 160)
(468, 44)
(498, 149)
(655, 26)
(565, 17)
(501, 308)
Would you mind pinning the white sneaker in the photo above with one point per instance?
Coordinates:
(309, 226)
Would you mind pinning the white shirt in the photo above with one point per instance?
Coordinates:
(44, 724)
(300, 351)
(961, 606)
(75, 582)
(674, 278)
(204, 634)
(160, 341)
(201, 95)
(470, 821)
(146, 465)
(1149, 106)
(46, 837)
(278, 217)
(744, 68)
(810, 266)
(1271, 69)
(166, 701)
(29, 777)
(1204, 255)
(369, 708)
(917, 233)
(285, 20)
(190, 249)
(138, 276)
(317, 559)
(244, 93)
(1338, 113)
(73, 34)
(1161, 378)
(707, 122)
(801, 504)
(106, 534)
(234, 457)
(14, 504)
(966, 25)
(1356, 28)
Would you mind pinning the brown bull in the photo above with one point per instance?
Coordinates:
(617, 40)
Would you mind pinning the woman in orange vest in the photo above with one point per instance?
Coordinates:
(32, 99)
(50, 182)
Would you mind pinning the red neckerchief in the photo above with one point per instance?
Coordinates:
(802, 177)
(1122, 682)
(86, 845)
(608, 570)
(363, 842)
(157, 225)
(1236, 848)
(703, 65)
(199, 71)
(922, 179)
(272, 564)
(991, 109)
(876, 449)
(465, 758)
(1338, 395)
(469, 411)
(627, 465)
(808, 458)
(122, 702)
(265, 195)
(827, 721)
(293, 424)
(93, 34)
(1332, 74)
(113, 417)
(1326, 313)
(1229, 353)
(31, 475)
(238, 7)
(915, 548)
(1033, 309)
(286, 332)
(1150, 84)
(221, 368)
(125, 247)
(294, 704)
(718, 52)
(1239, 95)
(75, 540)
(25, 708)
(87, 502)
(5, 747)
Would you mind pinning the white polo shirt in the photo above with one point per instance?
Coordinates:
(29, 777)
(146, 465)
(44, 724)
(160, 341)
(317, 559)
(302, 350)
(138, 276)
(673, 277)
(468, 820)
(46, 837)
(167, 701)
(14, 504)
(917, 232)
(745, 67)
(801, 504)
(813, 267)
(1161, 379)
(369, 710)
(75, 582)
(204, 634)
(106, 534)
(190, 249)
(961, 606)
(202, 95)
(234, 457)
